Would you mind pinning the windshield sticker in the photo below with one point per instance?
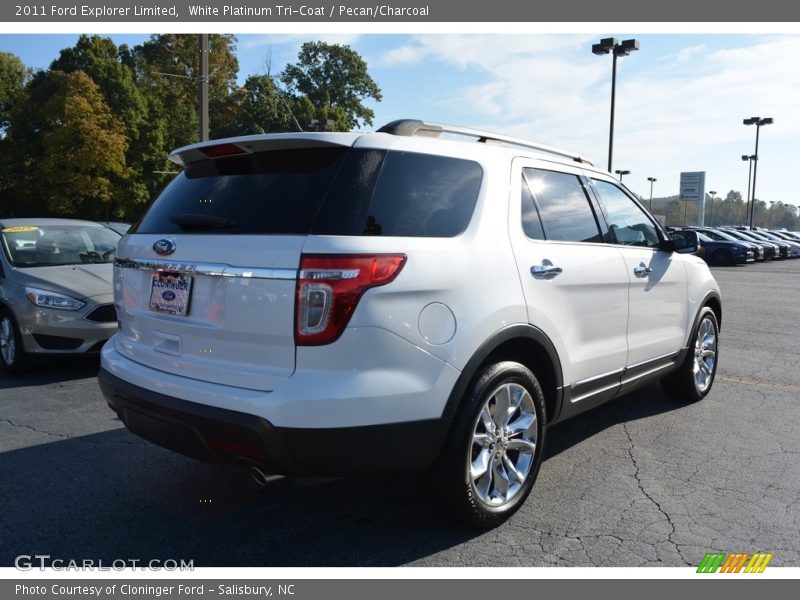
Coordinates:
(20, 229)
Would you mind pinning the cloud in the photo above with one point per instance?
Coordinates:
(677, 113)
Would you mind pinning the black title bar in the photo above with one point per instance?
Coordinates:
(399, 11)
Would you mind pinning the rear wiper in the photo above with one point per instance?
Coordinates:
(187, 221)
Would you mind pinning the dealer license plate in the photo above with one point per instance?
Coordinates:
(170, 293)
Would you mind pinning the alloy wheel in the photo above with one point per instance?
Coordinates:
(705, 355)
(503, 445)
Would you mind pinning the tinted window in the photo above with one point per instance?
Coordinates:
(276, 192)
(564, 209)
(627, 223)
(333, 191)
(414, 195)
(531, 222)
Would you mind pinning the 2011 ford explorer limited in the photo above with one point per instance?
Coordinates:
(424, 298)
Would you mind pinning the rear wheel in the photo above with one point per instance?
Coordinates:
(12, 356)
(495, 450)
(694, 378)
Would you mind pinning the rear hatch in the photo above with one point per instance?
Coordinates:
(205, 282)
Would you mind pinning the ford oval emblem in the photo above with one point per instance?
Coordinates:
(164, 247)
(169, 295)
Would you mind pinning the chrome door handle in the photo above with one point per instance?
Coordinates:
(545, 270)
(642, 271)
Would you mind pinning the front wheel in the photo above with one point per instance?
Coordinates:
(495, 449)
(694, 378)
(12, 356)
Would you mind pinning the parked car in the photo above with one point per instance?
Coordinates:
(722, 236)
(792, 247)
(413, 299)
(771, 251)
(55, 288)
(792, 236)
(782, 247)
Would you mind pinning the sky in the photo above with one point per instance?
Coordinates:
(681, 98)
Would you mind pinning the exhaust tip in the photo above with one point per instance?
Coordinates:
(259, 476)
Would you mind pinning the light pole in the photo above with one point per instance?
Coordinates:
(202, 91)
(771, 206)
(786, 214)
(711, 218)
(652, 180)
(750, 159)
(612, 46)
(758, 122)
(685, 210)
(621, 173)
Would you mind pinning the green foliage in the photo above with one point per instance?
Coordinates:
(76, 167)
(13, 77)
(336, 81)
(90, 136)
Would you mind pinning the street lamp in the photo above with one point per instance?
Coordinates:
(786, 214)
(612, 46)
(758, 122)
(711, 218)
(750, 158)
(621, 173)
(652, 180)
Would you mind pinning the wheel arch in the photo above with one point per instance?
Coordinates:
(714, 302)
(524, 344)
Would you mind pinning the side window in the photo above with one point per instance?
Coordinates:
(628, 224)
(563, 207)
(531, 222)
(400, 194)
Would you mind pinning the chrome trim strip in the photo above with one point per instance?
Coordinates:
(649, 367)
(208, 269)
(671, 355)
(594, 392)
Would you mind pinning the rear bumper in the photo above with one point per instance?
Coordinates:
(221, 435)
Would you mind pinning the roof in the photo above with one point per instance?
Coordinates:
(390, 133)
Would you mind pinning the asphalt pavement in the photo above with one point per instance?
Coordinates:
(641, 481)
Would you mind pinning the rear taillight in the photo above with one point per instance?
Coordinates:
(329, 287)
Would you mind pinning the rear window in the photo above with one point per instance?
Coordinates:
(326, 191)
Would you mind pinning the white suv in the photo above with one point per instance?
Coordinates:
(421, 298)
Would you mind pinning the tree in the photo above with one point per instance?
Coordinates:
(72, 159)
(168, 69)
(335, 80)
(259, 108)
(100, 59)
(13, 77)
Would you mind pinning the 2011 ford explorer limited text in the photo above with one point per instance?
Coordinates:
(336, 303)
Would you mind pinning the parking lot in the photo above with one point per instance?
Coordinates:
(641, 481)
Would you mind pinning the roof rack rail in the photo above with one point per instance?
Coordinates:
(414, 127)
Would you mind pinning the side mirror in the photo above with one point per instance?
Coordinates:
(684, 242)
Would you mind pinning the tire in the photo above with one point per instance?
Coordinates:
(722, 258)
(482, 440)
(13, 358)
(694, 378)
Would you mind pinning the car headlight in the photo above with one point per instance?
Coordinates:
(52, 299)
